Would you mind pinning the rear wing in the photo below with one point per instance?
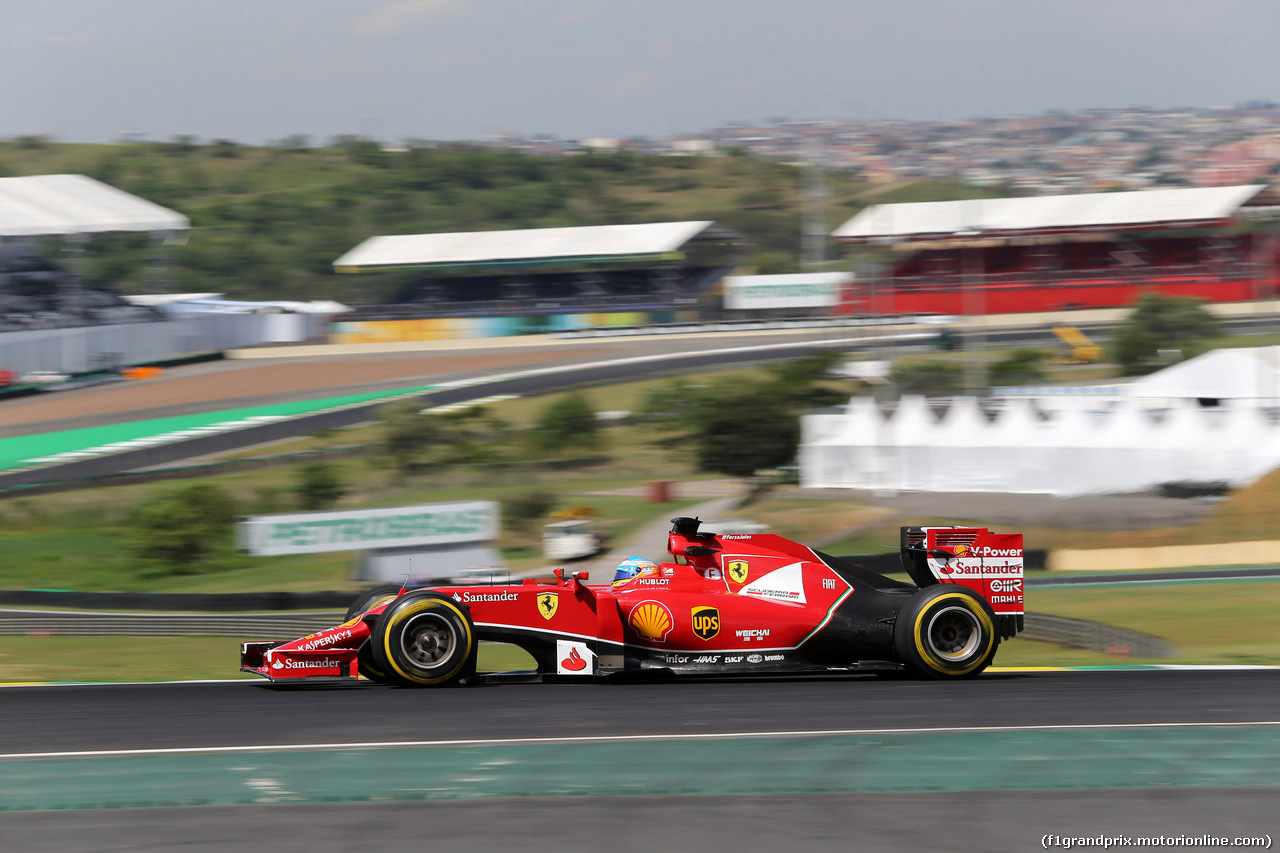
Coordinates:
(988, 563)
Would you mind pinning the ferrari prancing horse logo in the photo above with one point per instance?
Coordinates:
(737, 570)
(547, 604)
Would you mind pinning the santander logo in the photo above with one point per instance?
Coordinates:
(574, 662)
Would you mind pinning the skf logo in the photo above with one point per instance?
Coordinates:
(706, 622)
(737, 570)
(652, 620)
(547, 604)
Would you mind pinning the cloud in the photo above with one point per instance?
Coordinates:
(1148, 15)
(75, 38)
(635, 81)
(661, 49)
(450, 60)
(395, 18)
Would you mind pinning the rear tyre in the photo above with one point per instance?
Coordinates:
(372, 598)
(423, 639)
(946, 631)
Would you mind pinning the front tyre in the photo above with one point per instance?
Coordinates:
(423, 639)
(372, 598)
(946, 631)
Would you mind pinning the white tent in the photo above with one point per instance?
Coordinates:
(1245, 374)
(75, 204)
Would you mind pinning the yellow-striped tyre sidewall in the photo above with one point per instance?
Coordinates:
(398, 615)
(918, 633)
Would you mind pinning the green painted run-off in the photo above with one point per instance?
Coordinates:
(951, 761)
(20, 450)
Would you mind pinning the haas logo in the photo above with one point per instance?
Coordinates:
(574, 662)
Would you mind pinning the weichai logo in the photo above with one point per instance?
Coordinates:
(706, 622)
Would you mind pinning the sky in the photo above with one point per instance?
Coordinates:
(260, 70)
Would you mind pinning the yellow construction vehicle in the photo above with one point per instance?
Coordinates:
(1080, 350)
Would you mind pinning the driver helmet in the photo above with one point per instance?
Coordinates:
(631, 567)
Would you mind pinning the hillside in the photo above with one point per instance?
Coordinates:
(267, 222)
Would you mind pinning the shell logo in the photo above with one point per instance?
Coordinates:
(961, 550)
(652, 620)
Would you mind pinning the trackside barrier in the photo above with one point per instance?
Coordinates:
(1095, 636)
(1075, 633)
(230, 602)
(45, 623)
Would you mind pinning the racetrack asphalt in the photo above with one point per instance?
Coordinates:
(887, 764)
(251, 713)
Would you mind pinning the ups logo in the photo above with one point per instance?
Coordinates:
(706, 622)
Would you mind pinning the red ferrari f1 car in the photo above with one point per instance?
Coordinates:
(724, 604)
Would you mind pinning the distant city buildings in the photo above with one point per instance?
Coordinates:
(1059, 152)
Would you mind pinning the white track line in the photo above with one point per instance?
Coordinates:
(421, 744)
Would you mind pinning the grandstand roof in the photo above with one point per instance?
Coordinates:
(522, 248)
(75, 204)
(1183, 208)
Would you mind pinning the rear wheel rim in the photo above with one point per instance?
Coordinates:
(954, 634)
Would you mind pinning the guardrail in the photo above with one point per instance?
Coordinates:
(49, 623)
(1095, 636)
(1075, 633)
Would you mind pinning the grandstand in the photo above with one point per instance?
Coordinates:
(1059, 252)
(39, 293)
(494, 283)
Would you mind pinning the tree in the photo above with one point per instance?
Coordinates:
(568, 422)
(1162, 329)
(319, 486)
(742, 431)
(184, 527)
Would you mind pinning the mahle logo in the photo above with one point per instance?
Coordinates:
(547, 604)
(706, 622)
(737, 570)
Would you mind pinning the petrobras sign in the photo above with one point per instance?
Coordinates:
(807, 290)
(368, 529)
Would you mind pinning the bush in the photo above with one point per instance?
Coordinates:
(185, 527)
(523, 512)
(1020, 367)
(931, 378)
(569, 422)
(1160, 324)
(409, 438)
(319, 486)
